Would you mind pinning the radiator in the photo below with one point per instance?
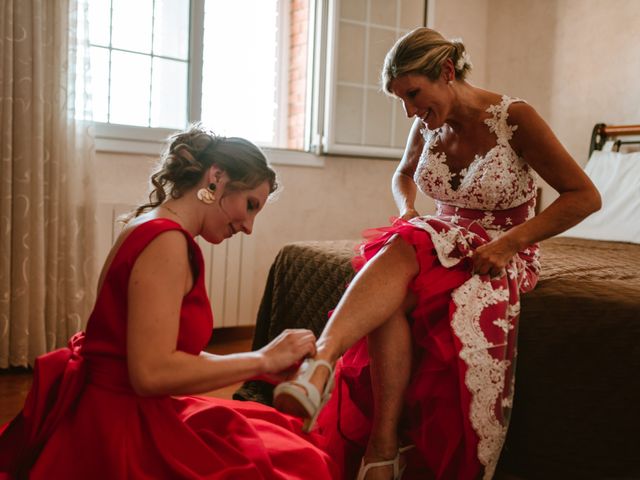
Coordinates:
(229, 275)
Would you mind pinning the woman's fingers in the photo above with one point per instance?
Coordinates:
(495, 272)
(301, 337)
(491, 270)
(490, 259)
(288, 348)
(482, 266)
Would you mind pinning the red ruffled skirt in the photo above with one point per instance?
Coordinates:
(81, 420)
(464, 338)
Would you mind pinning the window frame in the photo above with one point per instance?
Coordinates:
(322, 134)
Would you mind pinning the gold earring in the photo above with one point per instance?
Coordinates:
(207, 195)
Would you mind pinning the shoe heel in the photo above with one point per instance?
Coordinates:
(305, 395)
(309, 423)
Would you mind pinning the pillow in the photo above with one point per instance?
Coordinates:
(617, 177)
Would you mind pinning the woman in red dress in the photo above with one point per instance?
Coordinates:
(429, 322)
(115, 404)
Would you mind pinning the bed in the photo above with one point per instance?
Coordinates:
(577, 401)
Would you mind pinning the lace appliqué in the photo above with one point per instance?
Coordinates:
(484, 321)
(451, 243)
(498, 122)
(487, 377)
(499, 180)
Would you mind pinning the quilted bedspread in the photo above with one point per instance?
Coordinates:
(577, 393)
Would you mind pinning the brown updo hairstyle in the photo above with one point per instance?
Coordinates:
(423, 51)
(191, 153)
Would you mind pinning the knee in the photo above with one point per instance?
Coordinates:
(403, 313)
(401, 253)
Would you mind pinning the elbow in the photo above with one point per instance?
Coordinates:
(395, 178)
(594, 201)
(143, 382)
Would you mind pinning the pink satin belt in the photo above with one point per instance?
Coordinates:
(491, 219)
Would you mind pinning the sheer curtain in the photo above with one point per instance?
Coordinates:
(47, 195)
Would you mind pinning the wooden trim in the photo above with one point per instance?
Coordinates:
(619, 130)
(601, 133)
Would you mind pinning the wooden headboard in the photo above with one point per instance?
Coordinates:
(602, 132)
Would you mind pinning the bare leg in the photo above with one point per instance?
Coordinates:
(375, 296)
(390, 353)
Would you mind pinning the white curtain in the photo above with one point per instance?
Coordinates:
(47, 197)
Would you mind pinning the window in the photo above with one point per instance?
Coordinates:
(240, 69)
(157, 65)
(140, 62)
(357, 118)
(296, 74)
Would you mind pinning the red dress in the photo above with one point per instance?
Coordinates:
(82, 419)
(464, 327)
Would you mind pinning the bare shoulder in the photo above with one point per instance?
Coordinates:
(169, 239)
(165, 254)
(522, 113)
(531, 128)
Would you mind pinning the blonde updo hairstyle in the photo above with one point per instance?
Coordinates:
(191, 153)
(423, 51)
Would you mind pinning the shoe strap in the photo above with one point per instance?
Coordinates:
(304, 380)
(327, 365)
(364, 468)
(406, 448)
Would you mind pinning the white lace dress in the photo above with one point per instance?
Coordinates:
(464, 327)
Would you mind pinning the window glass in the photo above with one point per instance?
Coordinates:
(131, 25)
(169, 93)
(358, 118)
(99, 78)
(248, 75)
(171, 29)
(139, 62)
(100, 22)
(239, 78)
(130, 88)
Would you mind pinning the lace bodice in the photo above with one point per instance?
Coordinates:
(499, 180)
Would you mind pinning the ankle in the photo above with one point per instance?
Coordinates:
(320, 376)
(326, 352)
(381, 449)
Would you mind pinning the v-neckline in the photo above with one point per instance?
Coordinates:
(459, 174)
(441, 157)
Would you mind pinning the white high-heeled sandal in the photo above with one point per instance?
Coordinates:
(305, 393)
(397, 470)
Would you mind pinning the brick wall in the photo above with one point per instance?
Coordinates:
(297, 73)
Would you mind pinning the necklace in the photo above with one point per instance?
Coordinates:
(171, 210)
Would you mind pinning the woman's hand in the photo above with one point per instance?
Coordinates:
(284, 353)
(493, 257)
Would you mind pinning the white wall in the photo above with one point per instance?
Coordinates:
(596, 68)
(468, 20)
(576, 61)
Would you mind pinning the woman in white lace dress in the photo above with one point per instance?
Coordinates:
(429, 323)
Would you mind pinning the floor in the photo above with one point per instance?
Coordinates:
(15, 384)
